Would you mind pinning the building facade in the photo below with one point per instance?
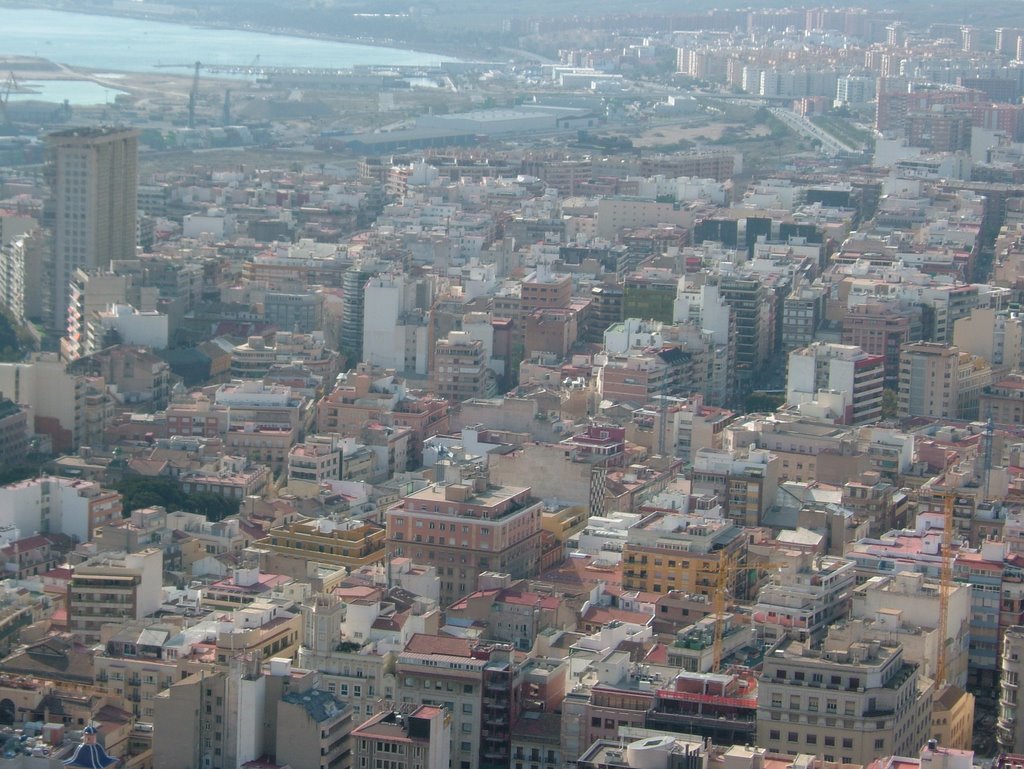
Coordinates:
(94, 183)
(465, 529)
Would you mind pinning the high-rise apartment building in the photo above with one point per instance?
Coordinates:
(94, 187)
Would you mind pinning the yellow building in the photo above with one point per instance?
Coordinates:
(953, 718)
(352, 543)
(562, 523)
(670, 551)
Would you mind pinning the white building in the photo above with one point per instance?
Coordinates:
(804, 597)
(56, 398)
(394, 335)
(905, 607)
(838, 368)
(215, 224)
(134, 327)
(59, 506)
(702, 304)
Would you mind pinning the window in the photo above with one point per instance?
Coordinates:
(812, 739)
(792, 736)
(467, 707)
(847, 742)
(879, 744)
(773, 734)
(830, 741)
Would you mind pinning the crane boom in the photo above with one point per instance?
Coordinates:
(192, 94)
(727, 569)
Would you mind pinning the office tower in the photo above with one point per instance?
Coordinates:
(93, 183)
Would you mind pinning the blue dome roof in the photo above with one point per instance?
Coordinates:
(90, 756)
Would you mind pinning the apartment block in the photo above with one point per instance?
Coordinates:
(461, 369)
(315, 460)
(882, 328)
(1010, 724)
(59, 506)
(418, 739)
(849, 701)
(113, 587)
(743, 481)
(1003, 400)
(350, 543)
(666, 551)
(995, 335)
(905, 608)
(476, 684)
(938, 380)
(805, 595)
(55, 397)
(843, 369)
(229, 718)
(465, 529)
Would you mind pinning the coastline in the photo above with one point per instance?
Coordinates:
(196, 22)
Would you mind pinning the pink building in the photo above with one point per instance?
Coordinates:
(464, 529)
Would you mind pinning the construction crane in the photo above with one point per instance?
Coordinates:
(726, 571)
(192, 94)
(945, 585)
(10, 85)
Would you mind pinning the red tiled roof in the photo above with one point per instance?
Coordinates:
(432, 644)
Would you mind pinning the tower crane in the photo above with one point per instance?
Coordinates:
(192, 94)
(11, 84)
(727, 570)
(945, 585)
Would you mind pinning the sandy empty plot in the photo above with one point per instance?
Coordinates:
(672, 134)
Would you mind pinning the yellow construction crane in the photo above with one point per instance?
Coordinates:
(727, 570)
(945, 584)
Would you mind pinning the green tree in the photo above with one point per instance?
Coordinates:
(763, 402)
(890, 404)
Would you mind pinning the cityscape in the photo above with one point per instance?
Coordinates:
(544, 386)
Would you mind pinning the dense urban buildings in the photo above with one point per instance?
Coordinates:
(645, 397)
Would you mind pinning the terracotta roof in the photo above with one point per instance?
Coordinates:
(433, 644)
(599, 615)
